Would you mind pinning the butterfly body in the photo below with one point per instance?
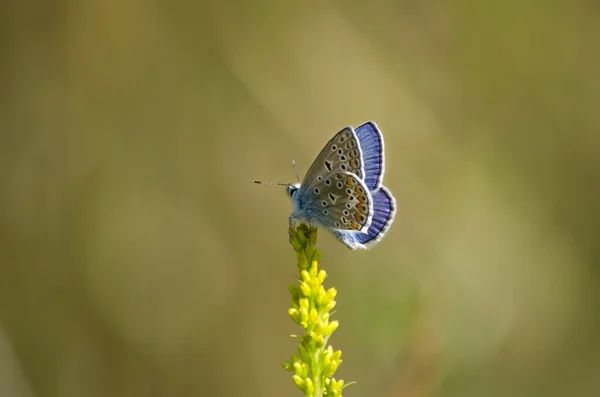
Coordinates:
(343, 192)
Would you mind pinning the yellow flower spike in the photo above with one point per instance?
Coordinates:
(320, 295)
(297, 368)
(305, 289)
(309, 388)
(322, 276)
(314, 316)
(295, 315)
(329, 306)
(311, 304)
(303, 315)
(318, 329)
(314, 284)
(329, 369)
(331, 327)
(335, 385)
(329, 295)
(305, 276)
(298, 381)
(337, 355)
(319, 341)
(304, 370)
(304, 302)
(326, 360)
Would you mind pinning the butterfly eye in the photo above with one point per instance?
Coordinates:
(291, 190)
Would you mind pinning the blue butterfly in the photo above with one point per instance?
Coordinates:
(342, 190)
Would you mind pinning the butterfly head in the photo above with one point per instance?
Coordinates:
(292, 189)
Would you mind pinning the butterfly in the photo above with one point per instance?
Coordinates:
(342, 190)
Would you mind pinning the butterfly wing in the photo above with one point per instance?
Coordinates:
(343, 188)
(342, 153)
(384, 211)
(339, 200)
(370, 140)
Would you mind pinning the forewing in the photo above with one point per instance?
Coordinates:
(341, 154)
(341, 201)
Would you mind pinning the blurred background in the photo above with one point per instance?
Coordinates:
(136, 259)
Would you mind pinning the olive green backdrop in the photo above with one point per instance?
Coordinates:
(136, 259)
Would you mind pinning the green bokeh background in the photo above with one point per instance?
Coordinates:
(136, 259)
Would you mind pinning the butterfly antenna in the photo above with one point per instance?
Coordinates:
(272, 183)
(295, 170)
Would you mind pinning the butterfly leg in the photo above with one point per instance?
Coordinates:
(309, 237)
(291, 226)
